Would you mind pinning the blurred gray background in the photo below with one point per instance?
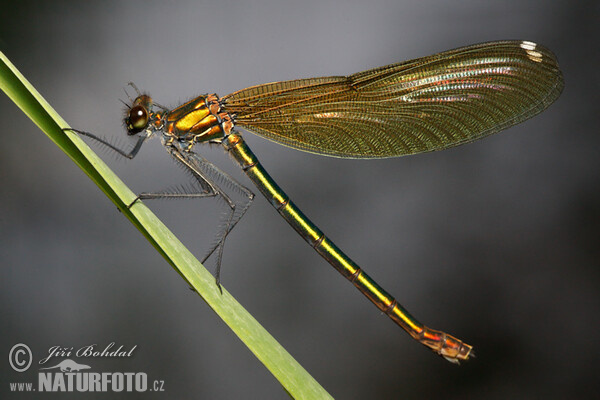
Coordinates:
(495, 242)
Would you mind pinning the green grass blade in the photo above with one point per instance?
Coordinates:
(296, 381)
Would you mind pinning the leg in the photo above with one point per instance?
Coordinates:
(207, 175)
(172, 194)
(123, 153)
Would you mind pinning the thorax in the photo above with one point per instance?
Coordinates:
(198, 120)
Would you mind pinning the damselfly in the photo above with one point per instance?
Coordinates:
(426, 104)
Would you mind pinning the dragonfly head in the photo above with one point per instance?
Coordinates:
(139, 115)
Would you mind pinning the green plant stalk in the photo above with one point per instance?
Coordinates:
(295, 379)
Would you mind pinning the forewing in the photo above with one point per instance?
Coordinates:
(426, 104)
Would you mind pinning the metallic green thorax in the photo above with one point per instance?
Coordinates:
(195, 121)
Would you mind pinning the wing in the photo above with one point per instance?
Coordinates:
(426, 104)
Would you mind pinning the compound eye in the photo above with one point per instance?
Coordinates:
(137, 120)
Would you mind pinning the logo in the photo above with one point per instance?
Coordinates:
(68, 375)
(69, 366)
(20, 357)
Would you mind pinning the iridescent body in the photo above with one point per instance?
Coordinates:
(426, 104)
